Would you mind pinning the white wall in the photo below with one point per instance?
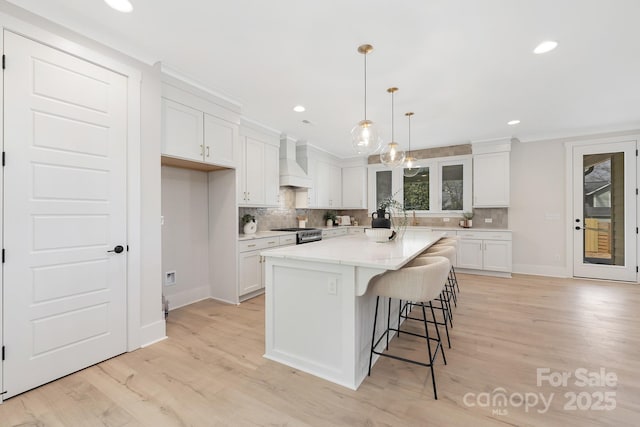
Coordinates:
(185, 234)
(537, 214)
(152, 323)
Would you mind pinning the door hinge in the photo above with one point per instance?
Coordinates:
(636, 272)
(127, 248)
(2, 352)
(4, 158)
(4, 63)
(3, 255)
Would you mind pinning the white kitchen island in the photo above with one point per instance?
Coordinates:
(319, 314)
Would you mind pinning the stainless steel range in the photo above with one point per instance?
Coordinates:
(304, 235)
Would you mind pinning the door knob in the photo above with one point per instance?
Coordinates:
(578, 227)
(117, 249)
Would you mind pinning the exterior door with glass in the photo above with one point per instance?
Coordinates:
(604, 211)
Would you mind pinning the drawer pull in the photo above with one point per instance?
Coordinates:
(270, 243)
(251, 246)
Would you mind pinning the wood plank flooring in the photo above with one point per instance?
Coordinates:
(210, 372)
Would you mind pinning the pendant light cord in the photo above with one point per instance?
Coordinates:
(409, 135)
(392, 114)
(365, 86)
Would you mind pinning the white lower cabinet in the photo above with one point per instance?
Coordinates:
(250, 265)
(328, 233)
(250, 272)
(485, 250)
(470, 254)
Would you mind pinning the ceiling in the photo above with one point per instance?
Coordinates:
(465, 67)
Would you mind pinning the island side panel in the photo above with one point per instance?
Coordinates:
(365, 309)
(310, 318)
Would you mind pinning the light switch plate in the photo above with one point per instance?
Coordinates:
(488, 220)
(332, 286)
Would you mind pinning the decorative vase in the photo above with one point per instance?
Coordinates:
(250, 227)
(380, 219)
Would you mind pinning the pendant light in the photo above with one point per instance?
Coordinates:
(364, 136)
(391, 154)
(410, 168)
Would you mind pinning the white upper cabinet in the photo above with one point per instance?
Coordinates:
(259, 166)
(197, 127)
(271, 174)
(220, 141)
(354, 187)
(325, 172)
(182, 131)
(328, 184)
(491, 174)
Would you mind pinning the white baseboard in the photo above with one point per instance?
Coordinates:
(153, 333)
(180, 299)
(483, 272)
(542, 270)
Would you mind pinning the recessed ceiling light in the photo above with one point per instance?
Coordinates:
(120, 5)
(513, 122)
(545, 46)
(299, 108)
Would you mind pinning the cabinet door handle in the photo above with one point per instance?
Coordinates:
(201, 150)
(207, 151)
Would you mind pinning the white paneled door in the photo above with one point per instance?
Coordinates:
(65, 214)
(604, 211)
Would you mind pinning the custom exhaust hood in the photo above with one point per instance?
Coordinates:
(291, 173)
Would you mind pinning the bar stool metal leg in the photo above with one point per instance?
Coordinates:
(373, 334)
(433, 374)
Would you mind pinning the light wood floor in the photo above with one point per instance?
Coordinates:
(211, 371)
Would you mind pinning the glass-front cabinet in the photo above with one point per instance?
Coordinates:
(442, 186)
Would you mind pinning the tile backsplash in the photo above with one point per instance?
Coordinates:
(286, 215)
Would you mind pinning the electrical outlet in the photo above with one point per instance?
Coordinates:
(161, 219)
(446, 219)
(170, 278)
(488, 220)
(332, 286)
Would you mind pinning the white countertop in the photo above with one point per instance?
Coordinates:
(264, 235)
(421, 227)
(359, 251)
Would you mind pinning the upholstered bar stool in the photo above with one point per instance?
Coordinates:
(420, 284)
(445, 306)
(448, 252)
(449, 241)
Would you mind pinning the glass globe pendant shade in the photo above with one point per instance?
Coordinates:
(365, 138)
(392, 155)
(410, 168)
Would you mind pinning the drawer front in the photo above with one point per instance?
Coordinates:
(253, 244)
(485, 235)
(272, 242)
(328, 233)
(288, 240)
(356, 230)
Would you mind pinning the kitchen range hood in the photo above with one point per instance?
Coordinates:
(291, 173)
